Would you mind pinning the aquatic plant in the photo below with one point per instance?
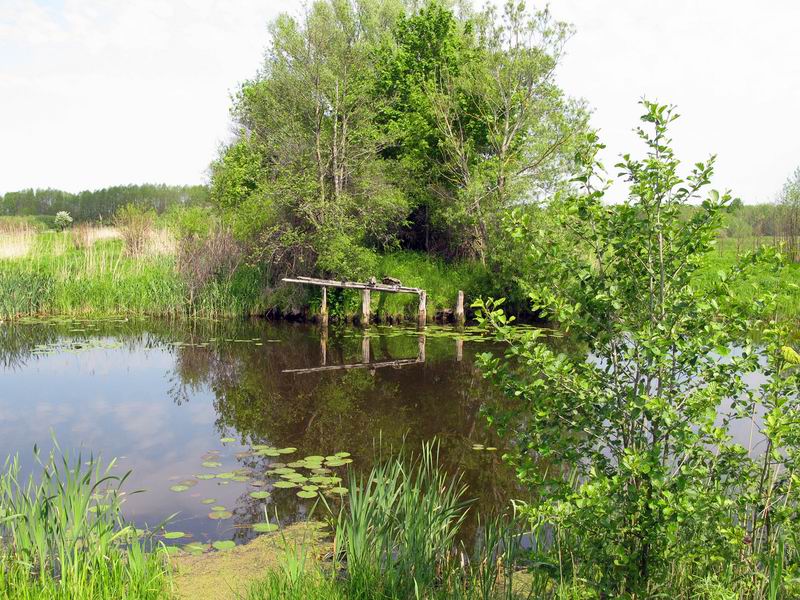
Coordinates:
(63, 535)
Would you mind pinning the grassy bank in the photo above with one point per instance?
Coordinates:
(87, 272)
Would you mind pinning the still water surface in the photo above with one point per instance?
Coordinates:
(161, 397)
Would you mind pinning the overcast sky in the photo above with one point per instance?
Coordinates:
(101, 92)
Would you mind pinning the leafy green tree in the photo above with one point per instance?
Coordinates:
(304, 181)
(62, 220)
(652, 491)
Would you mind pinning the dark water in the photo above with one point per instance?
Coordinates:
(160, 396)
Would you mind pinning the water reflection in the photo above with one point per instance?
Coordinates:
(160, 395)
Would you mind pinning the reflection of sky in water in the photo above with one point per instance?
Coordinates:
(113, 403)
(122, 402)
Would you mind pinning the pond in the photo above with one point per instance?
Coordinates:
(210, 416)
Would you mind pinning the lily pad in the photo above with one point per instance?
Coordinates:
(287, 450)
(342, 454)
(314, 458)
(306, 494)
(260, 495)
(212, 464)
(171, 549)
(258, 483)
(265, 527)
(209, 501)
(224, 545)
(195, 548)
(220, 514)
(227, 440)
(339, 490)
(179, 488)
(205, 476)
(297, 464)
(218, 508)
(174, 535)
(240, 478)
(226, 475)
(310, 488)
(284, 484)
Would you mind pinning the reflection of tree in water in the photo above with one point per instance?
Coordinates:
(362, 411)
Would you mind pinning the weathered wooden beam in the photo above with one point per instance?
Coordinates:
(423, 307)
(355, 285)
(404, 362)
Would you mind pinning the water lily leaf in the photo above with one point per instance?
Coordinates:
(179, 488)
(336, 463)
(491, 448)
(174, 535)
(277, 465)
(171, 549)
(224, 545)
(284, 484)
(265, 527)
(241, 478)
(208, 501)
(314, 458)
(284, 470)
(205, 476)
(306, 494)
(339, 490)
(258, 483)
(220, 514)
(287, 450)
(212, 464)
(260, 495)
(227, 440)
(342, 454)
(226, 475)
(195, 548)
(218, 508)
(310, 488)
(297, 464)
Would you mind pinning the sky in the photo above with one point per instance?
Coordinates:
(96, 93)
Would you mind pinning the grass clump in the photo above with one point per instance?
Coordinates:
(62, 536)
(397, 536)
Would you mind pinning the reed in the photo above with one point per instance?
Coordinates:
(64, 537)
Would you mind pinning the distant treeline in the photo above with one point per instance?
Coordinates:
(778, 222)
(100, 205)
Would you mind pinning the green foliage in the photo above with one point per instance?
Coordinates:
(658, 495)
(64, 536)
(378, 125)
(100, 204)
(62, 220)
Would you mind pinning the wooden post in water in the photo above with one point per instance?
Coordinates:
(365, 306)
(421, 339)
(460, 308)
(323, 345)
(365, 349)
(423, 307)
(459, 349)
(323, 310)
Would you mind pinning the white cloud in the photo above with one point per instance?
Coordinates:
(96, 93)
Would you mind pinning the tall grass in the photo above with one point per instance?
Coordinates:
(398, 537)
(63, 535)
(96, 277)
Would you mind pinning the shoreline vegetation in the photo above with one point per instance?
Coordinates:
(87, 271)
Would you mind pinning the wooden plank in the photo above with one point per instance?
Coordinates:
(378, 287)
(376, 365)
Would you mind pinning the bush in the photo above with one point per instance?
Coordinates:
(62, 220)
(135, 223)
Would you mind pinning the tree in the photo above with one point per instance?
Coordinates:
(789, 203)
(62, 220)
(474, 111)
(304, 180)
(650, 482)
